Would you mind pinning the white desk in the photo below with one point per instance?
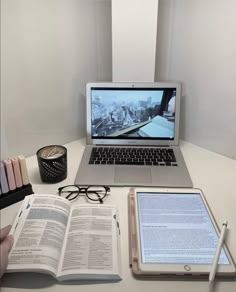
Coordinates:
(213, 173)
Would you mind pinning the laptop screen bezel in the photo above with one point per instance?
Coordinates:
(132, 85)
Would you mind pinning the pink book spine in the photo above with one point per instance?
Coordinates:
(10, 174)
(17, 172)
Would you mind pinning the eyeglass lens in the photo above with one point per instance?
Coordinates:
(96, 193)
(69, 192)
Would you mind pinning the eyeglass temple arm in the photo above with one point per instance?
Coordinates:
(97, 193)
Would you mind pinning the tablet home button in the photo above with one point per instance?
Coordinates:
(187, 268)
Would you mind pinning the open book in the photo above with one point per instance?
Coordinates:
(70, 242)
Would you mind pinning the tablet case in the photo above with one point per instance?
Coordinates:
(134, 259)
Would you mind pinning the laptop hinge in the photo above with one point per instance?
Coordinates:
(129, 145)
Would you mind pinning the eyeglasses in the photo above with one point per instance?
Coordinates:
(93, 193)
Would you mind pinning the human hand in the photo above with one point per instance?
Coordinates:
(6, 242)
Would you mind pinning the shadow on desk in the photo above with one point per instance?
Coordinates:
(39, 281)
(35, 176)
(27, 280)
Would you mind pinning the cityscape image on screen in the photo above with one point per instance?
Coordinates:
(133, 113)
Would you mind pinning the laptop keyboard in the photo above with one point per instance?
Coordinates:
(133, 156)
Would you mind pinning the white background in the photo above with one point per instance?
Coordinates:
(50, 49)
(196, 44)
(134, 31)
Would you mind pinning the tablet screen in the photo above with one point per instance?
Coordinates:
(176, 228)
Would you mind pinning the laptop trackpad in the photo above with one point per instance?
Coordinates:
(132, 175)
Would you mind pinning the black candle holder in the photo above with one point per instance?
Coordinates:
(52, 162)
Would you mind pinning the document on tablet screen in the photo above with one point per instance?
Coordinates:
(176, 228)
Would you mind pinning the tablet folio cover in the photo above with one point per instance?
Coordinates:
(134, 258)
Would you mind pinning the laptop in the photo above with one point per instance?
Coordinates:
(133, 136)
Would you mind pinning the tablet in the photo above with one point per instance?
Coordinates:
(176, 233)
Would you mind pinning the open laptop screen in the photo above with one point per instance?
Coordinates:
(133, 113)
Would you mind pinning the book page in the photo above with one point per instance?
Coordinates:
(91, 246)
(39, 233)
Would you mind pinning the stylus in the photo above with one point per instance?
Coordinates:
(217, 254)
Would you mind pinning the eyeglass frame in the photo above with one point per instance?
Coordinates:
(83, 190)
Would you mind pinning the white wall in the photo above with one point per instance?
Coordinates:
(196, 44)
(49, 51)
(134, 30)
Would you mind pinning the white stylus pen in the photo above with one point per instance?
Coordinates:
(217, 254)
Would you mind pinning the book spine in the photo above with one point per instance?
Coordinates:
(17, 172)
(10, 174)
(3, 179)
(24, 171)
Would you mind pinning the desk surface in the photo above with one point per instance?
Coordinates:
(213, 173)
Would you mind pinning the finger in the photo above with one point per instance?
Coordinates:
(6, 245)
(4, 232)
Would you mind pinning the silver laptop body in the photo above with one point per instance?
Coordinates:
(133, 116)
